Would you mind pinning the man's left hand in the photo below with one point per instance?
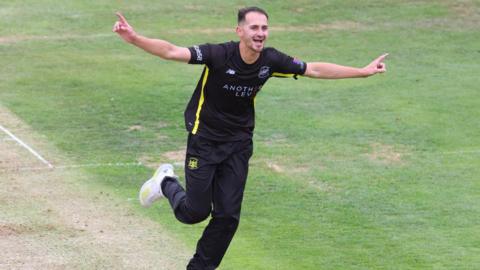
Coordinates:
(376, 66)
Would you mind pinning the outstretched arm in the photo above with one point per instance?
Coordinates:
(333, 71)
(158, 47)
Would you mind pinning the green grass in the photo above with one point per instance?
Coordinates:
(387, 167)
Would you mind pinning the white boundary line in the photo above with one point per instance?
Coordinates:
(110, 164)
(177, 164)
(461, 152)
(37, 155)
(91, 165)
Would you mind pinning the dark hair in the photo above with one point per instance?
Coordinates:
(244, 11)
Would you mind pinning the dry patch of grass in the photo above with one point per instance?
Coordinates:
(176, 157)
(136, 128)
(463, 8)
(275, 167)
(385, 154)
(302, 174)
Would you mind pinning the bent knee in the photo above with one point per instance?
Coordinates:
(192, 217)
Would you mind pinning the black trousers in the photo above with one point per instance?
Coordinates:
(216, 173)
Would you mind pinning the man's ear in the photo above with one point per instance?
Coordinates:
(239, 31)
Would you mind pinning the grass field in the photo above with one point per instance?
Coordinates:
(378, 173)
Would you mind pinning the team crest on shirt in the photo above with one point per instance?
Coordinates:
(264, 72)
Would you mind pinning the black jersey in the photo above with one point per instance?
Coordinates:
(222, 105)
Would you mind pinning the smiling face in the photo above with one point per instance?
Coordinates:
(253, 31)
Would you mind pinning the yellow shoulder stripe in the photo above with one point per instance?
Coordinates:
(200, 102)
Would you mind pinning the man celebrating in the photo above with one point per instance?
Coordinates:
(220, 121)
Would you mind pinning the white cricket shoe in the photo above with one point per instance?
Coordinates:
(151, 190)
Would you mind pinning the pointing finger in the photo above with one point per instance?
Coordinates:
(382, 57)
(121, 17)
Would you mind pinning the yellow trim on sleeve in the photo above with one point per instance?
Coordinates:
(283, 75)
(200, 102)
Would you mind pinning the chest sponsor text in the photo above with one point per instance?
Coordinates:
(242, 91)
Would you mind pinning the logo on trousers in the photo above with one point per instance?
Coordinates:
(192, 163)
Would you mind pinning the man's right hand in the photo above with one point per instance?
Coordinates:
(123, 29)
(158, 47)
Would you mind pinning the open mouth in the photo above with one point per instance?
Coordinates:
(258, 41)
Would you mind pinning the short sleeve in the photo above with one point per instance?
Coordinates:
(211, 55)
(200, 54)
(287, 66)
